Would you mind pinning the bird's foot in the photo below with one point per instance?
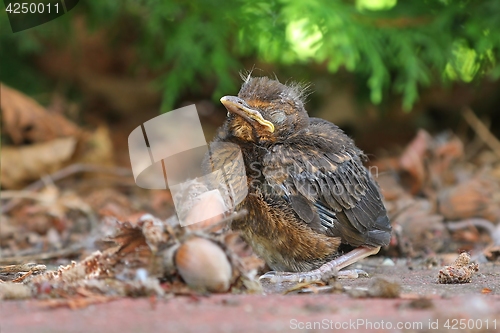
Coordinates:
(326, 271)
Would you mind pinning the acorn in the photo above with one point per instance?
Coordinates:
(203, 265)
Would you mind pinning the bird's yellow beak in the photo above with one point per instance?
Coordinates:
(238, 106)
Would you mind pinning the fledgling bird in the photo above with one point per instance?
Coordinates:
(308, 191)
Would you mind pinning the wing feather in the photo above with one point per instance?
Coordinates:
(326, 177)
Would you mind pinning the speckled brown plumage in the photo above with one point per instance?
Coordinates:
(308, 190)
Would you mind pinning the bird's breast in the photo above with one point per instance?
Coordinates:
(280, 237)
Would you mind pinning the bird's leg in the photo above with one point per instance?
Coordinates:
(326, 271)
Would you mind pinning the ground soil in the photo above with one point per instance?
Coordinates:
(424, 306)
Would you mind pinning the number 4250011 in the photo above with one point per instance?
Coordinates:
(478, 324)
(38, 8)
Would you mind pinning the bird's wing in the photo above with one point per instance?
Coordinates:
(319, 171)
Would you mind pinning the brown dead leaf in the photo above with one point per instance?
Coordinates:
(31, 219)
(24, 164)
(486, 291)
(472, 198)
(110, 202)
(412, 160)
(142, 236)
(24, 120)
(96, 148)
(390, 187)
(446, 151)
(130, 239)
(50, 213)
(7, 228)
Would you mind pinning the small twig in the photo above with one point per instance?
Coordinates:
(26, 270)
(42, 256)
(66, 172)
(482, 131)
(78, 168)
(23, 277)
(22, 268)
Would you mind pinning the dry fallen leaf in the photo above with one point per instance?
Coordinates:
(24, 120)
(447, 150)
(130, 239)
(24, 164)
(486, 290)
(96, 148)
(390, 187)
(412, 160)
(472, 198)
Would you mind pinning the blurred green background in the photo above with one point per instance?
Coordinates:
(378, 68)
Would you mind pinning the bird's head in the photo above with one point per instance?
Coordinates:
(265, 110)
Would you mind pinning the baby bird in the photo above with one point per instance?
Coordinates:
(308, 191)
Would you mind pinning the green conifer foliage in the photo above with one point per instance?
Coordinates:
(396, 45)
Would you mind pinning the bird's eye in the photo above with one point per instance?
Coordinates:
(278, 117)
